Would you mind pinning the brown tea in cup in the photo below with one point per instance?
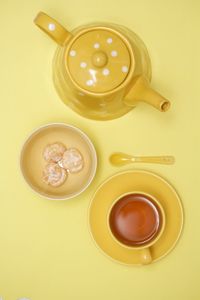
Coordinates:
(135, 220)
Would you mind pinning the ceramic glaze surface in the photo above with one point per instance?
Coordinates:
(98, 60)
(100, 70)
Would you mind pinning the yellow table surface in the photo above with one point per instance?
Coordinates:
(45, 247)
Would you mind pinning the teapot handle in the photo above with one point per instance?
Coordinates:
(51, 27)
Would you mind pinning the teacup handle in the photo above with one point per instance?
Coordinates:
(51, 27)
(145, 256)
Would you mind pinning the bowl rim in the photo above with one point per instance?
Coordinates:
(86, 138)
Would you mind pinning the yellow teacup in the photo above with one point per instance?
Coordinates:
(136, 221)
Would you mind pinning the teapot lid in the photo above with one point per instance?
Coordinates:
(99, 60)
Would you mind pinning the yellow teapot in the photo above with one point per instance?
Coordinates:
(101, 71)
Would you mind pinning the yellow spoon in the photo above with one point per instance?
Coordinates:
(121, 159)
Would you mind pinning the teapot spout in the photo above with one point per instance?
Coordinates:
(141, 91)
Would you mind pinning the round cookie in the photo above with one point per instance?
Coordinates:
(72, 160)
(54, 152)
(54, 175)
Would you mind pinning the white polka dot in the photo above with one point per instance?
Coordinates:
(81, 94)
(114, 53)
(96, 45)
(89, 82)
(109, 40)
(51, 26)
(106, 72)
(72, 53)
(83, 65)
(124, 69)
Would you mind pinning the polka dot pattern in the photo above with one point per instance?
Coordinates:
(72, 53)
(96, 45)
(90, 82)
(106, 72)
(114, 53)
(83, 65)
(51, 26)
(86, 64)
(124, 69)
(109, 40)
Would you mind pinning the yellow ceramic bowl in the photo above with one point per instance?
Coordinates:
(32, 161)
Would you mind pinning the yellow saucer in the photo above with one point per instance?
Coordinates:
(130, 181)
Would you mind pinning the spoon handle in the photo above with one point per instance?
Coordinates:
(167, 160)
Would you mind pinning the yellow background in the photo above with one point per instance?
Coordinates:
(45, 247)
